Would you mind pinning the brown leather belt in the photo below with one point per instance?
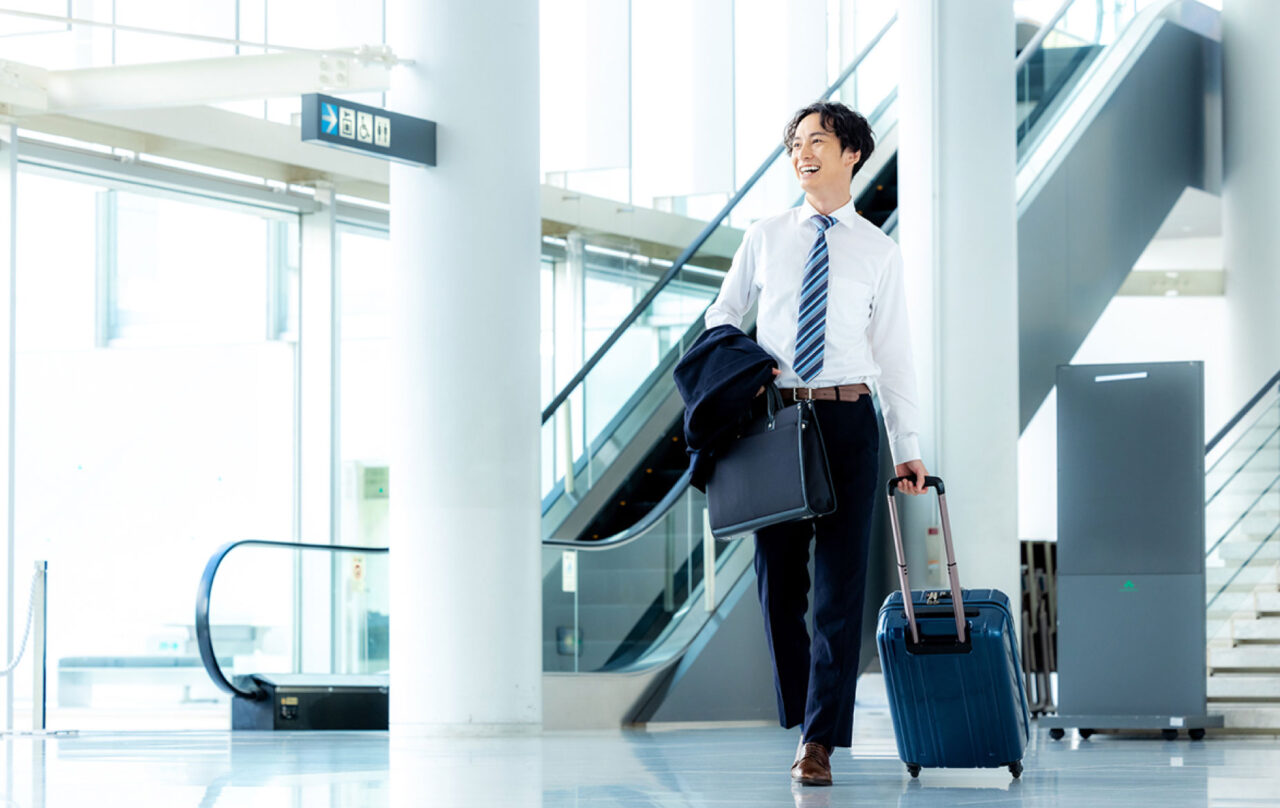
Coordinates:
(844, 392)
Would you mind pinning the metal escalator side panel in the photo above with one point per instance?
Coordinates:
(1093, 208)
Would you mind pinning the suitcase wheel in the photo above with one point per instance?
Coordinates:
(1196, 734)
(1015, 769)
(1057, 733)
(913, 769)
(1169, 734)
(1085, 733)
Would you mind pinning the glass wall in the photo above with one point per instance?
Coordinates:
(364, 262)
(672, 105)
(155, 422)
(665, 103)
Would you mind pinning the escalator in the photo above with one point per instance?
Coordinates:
(301, 675)
(627, 468)
(641, 611)
(635, 589)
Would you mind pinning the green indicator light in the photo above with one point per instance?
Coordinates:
(380, 491)
(1128, 585)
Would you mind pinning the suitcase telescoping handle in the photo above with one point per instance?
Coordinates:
(956, 602)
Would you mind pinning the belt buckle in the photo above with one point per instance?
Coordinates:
(806, 398)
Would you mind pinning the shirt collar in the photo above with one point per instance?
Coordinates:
(842, 214)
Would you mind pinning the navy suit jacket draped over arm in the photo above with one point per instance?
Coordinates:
(718, 378)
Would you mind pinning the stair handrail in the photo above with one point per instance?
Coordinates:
(1239, 519)
(699, 240)
(1272, 384)
(1225, 586)
(204, 639)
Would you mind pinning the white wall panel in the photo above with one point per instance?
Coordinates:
(585, 82)
(682, 80)
(1251, 175)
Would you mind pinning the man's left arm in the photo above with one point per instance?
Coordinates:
(889, 336)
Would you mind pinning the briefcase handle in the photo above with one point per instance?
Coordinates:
(957, 603)
(773, 397)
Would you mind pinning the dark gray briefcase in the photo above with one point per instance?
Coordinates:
(774, 471)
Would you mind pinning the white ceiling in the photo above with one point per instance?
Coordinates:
(1196, 214)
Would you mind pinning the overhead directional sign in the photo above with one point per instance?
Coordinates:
(368, 130)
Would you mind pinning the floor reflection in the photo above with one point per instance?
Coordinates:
(707, 768)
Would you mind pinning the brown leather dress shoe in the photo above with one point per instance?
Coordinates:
(814, 766)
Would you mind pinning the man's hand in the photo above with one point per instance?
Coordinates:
(911, 468)
(776, 374)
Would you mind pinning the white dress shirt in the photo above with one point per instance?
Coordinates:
(868, 339)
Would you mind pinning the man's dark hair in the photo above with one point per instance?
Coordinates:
(851, 128)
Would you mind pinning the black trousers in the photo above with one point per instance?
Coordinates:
(816, 677)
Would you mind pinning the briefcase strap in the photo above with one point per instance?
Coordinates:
(957, 602)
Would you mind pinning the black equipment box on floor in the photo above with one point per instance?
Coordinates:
(310, 701)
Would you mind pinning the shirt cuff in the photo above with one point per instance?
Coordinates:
(905, 448)
(714, 319)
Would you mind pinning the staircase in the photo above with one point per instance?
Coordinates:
(1244, 666)
(1242, 571)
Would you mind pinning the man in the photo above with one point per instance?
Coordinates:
(832, 312)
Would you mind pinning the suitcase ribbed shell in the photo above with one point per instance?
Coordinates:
(956, 710)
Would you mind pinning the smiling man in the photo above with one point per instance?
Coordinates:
(832, 312)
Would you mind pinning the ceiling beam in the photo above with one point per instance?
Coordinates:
(193, 81)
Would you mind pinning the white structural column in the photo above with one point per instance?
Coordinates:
(958, 231)
(8, 377)
(1251, 176)
(318, 448)
(466, 594)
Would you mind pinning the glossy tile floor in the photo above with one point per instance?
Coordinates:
(722, 767)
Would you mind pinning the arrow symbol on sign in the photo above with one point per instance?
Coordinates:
(330, 118)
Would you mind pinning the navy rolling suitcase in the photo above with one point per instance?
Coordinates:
(951, 669)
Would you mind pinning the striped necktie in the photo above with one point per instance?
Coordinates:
(812, 328)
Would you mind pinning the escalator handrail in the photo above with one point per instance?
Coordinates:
(1272, 384)
(1041, 34)
(699, 240)
(638, 529)
(203, 637)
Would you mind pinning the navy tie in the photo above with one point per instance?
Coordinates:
(812, 329)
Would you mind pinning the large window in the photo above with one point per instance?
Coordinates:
(181, 272)
(155, 422)
(364, 260)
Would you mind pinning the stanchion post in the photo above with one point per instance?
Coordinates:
(39, 655)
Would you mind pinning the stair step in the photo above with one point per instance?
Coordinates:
(1246, 716)
(1243, 538)
(1268, 604)
(1251, 577)
(1261, 468)
(1223, 491)
(1250, 688)
(1254, 659)
(1238, 551)
(1262, 630)
(1235, 500)
(1224, 512)
(1254, 528)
